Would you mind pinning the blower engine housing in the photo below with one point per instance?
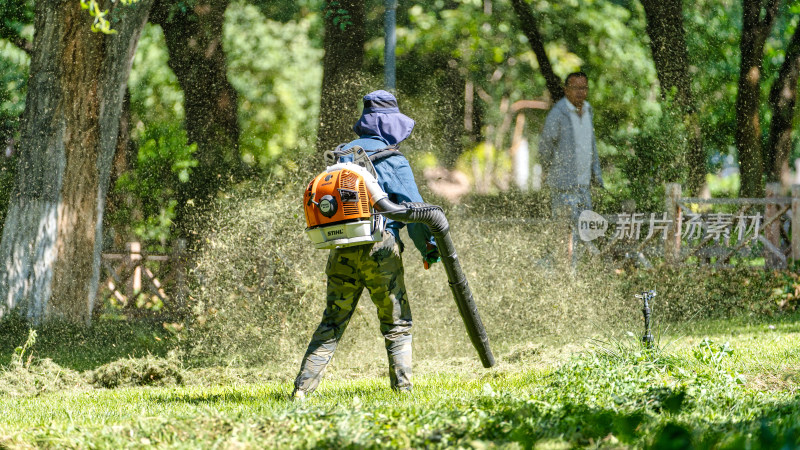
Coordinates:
(338, 209)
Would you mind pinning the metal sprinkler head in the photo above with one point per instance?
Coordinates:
(647, 296)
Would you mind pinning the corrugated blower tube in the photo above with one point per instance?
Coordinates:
(433, 216)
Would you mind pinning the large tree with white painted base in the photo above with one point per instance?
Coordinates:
(51, 242)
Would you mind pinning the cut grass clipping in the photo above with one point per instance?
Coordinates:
(27, 375)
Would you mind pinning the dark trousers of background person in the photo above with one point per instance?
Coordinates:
(567, 205)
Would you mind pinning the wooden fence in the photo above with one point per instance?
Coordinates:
(138, 284)
(692, 232)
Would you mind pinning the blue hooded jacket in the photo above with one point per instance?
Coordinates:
(382, 124)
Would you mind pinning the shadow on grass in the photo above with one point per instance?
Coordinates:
(666, 419)
(775, 428)
(349, 391)
(225, 397)
(83, 349)
(581, 425)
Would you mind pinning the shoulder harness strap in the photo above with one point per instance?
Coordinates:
(360, 156)
(384, 153)
(331, 157)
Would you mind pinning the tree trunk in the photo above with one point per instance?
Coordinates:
(342, 72)
(782, 100)
(671, 59)
(196, 56)
(755, 31)
(531, 29)
(51, 243)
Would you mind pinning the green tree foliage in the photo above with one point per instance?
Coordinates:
(712, 32)
(101, 24)
(16, 16)
(657, 156)
(164, 162)
(150, 186)
(667, 33)
(193, 35)
(288, 10)
(13, 76)
(13, 72)
(758, 19)
(342, 70)
(782, 116)
(530, 26)
(609, 39)
(156, 97)
(713, 35)
(485, 49)
(276, 69)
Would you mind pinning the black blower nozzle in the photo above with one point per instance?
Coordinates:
(434, 217)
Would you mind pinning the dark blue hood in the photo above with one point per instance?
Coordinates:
(381, 117)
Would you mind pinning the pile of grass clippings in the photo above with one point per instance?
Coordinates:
(525, 353)
(38, 376)
(146, 371)
(29, 376)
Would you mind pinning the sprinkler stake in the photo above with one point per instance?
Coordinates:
(646, 296)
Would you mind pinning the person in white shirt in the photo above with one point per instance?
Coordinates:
(569, 157)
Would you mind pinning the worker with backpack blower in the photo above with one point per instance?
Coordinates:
(377, 266)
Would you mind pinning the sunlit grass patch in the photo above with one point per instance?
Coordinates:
(585, 400)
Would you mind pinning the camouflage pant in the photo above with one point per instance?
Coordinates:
(379, 268)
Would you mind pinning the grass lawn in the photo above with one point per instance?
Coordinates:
(710, 384)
